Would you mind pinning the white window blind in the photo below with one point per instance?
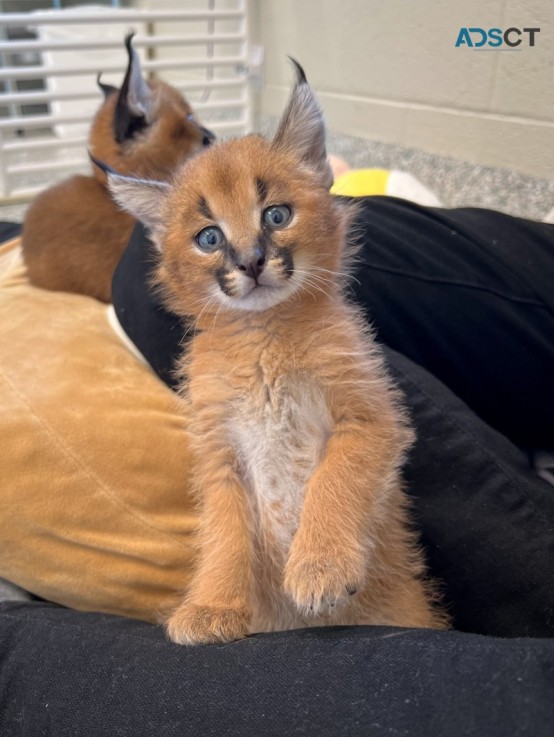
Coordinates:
(48, 65)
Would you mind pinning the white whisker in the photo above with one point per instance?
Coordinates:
(208, 304)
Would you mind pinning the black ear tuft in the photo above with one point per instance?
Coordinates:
(128, 42)
(107, 89)
(134, 97)
(300, 74)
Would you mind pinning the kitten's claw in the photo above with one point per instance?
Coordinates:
(194, 625)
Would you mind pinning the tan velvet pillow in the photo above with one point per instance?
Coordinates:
(95, 509)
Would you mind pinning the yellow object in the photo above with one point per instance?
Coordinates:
(361, 183)
(95, 505)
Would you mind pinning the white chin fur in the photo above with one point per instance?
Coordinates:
(261, 298)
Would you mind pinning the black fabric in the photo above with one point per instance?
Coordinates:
(158, 334)
(487, 521)
(9, 230)
(469, 295)
(88, 675)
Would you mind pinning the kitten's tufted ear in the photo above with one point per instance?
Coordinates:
(134, 104)
(142, 198)
(107, 89)
(302, 129)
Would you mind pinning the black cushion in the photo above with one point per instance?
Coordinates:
(89, 675)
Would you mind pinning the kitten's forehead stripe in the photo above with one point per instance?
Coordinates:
(204, 209)
(261, 188)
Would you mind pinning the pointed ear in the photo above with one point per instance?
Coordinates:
(142, 198)
(133, 107)
(302, 129)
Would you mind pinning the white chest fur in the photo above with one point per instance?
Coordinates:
(280, 433)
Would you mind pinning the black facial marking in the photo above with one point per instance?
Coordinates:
(282, 254)
(205, 210)
(285, 255)
(221, 275)
(261, 188)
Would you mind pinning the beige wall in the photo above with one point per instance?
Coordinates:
(388, 70)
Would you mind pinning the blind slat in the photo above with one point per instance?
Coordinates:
(39, 72)
(139, 42)
(135, 16)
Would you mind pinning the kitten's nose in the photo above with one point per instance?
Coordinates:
(207, 137)
(252, 266)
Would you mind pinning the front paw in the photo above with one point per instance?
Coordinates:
(320, 583)
(192, 625)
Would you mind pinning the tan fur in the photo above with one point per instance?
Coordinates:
(73, 234)
(300, 434)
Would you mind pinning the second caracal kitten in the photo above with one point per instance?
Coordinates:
(74, 234)
(299, 432)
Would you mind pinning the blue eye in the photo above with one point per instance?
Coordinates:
(277, 216)
(210, 239)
